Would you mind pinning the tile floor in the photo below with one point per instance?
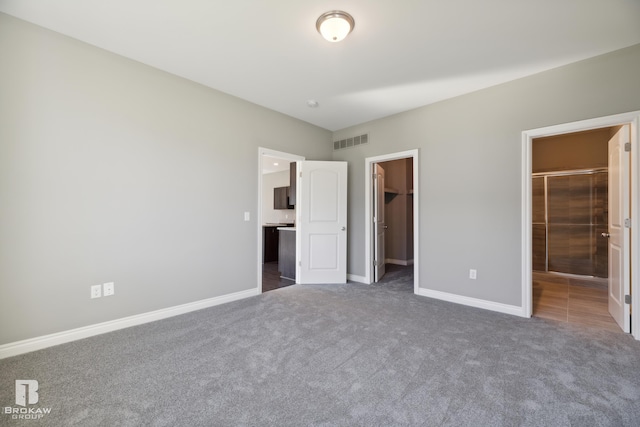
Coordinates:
(572, 299)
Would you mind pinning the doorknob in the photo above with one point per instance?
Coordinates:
(607, 235)
(343, 228)
(385, 227)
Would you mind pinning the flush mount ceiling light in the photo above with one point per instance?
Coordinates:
(335, 25)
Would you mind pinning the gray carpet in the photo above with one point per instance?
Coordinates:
(397, 278)
(336, 355)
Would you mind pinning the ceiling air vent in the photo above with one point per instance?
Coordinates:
(351, 142)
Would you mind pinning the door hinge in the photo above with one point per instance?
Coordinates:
(300, 175)
(627, 146)
(299, 263)
(627, 299)
(627, 222)
(374, 175)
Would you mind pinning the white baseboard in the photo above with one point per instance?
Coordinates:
(38, 343)
(359, 279)
(399, 261)
(473, 302)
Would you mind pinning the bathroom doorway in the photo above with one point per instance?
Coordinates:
(623, 181)
(569, 228)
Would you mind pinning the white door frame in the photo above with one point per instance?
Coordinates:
(631, 118)
(368, 202)
(271, 153)
(379, 249)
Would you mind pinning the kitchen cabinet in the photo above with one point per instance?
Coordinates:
(281, 198)
(293, 179)
(287, 253)
(270, 241)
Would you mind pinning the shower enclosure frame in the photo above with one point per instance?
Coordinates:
(569, 172)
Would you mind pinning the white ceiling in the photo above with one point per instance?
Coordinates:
(274, 164)
(401, 55)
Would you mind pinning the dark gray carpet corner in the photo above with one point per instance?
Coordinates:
(336, 355)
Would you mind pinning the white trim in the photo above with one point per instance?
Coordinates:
(472, 302)
(38, 343)
(632, 118)
(369, 162)
(356, 278)
(271, 153)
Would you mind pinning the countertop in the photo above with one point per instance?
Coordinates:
(287, 228)
(277, 224)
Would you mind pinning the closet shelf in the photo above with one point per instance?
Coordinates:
(394, 191)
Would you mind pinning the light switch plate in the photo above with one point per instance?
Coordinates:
(247, 216)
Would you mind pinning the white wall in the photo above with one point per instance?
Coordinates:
(114, 171)
(270, 215)
(470, 168)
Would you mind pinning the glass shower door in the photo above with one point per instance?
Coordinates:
(576, 215)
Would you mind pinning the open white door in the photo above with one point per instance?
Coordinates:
(379, 221)
(321, 226)
(619, 262)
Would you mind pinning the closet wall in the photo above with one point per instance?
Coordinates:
(399, 211)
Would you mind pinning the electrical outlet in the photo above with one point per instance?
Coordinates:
(96, 291)
(108, 289)
(473, 274)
